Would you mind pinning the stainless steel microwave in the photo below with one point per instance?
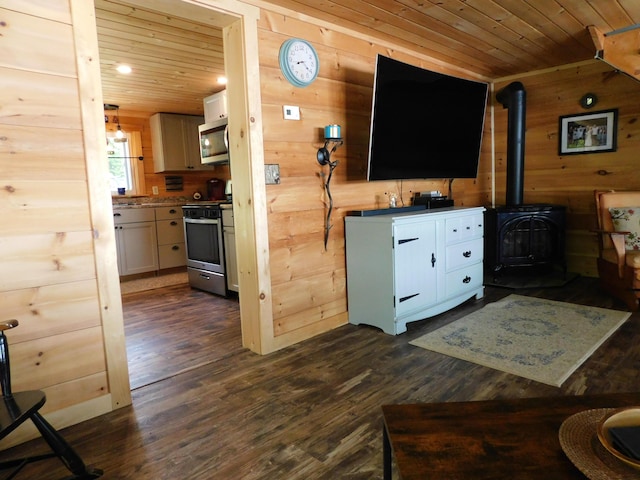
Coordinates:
(214, 142)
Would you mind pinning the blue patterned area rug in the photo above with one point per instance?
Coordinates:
(542, 340)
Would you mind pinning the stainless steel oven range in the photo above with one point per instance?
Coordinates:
(204, 245)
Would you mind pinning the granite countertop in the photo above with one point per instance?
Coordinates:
(151, 202)
(148, 202)
(147, 205)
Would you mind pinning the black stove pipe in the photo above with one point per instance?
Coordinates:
(514, 97)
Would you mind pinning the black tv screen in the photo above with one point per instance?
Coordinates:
(424, 124)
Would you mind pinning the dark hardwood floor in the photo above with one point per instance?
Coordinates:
(310, 411)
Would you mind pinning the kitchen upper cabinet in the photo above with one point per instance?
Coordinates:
(176, 142)
(215, 106)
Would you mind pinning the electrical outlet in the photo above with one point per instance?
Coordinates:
(154, 189)
(291, 112)
(272, 174)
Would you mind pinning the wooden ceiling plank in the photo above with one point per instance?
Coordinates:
(185, 16)
(612, 13)
(632, 8)
(131, 38)
(519, 32)
(374, 21)
(585, 14)
(469, 32)
(111, 58)
(181, 35)
(564, 21)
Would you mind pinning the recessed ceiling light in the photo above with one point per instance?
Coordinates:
(222, 80)
(123, 68)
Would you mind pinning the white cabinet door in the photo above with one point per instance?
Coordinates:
(215, 106)
(415, 266)
(137, 248)
(230, 255)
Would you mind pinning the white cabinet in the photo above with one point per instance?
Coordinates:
(215, 106)
(411, 266)
(136, 241)
(230, 253)
(170, 229)
(176, 142)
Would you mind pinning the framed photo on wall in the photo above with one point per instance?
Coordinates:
(592, 132)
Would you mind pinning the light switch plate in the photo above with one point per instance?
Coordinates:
(272, 174)
(291, 112)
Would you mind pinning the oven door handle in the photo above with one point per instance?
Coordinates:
(207, 221)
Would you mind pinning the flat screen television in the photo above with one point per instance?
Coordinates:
(424, 124)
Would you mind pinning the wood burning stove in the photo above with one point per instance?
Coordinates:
(520, 235)
(524, 236)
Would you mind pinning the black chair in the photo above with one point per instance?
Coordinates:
(16, 408)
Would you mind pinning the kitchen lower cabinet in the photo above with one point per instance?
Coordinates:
(411, 266)
(136, 242)
(170, 230)
(230, 253)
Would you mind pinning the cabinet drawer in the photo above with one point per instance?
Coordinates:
(464, 227)
(463, 254)
(168, 213)
(172, 255)
(133, 215)
(170, 231)
(460, 281)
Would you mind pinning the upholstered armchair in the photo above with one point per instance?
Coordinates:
(618, 215)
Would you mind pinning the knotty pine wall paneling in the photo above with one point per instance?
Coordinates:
(570, 180)
(309, 283)
(48, 237)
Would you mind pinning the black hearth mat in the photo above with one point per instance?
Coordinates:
(521, 278)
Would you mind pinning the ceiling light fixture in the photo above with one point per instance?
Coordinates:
(222, 80)
(126, 69)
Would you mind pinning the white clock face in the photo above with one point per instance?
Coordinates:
(299, 62)
(302, 62)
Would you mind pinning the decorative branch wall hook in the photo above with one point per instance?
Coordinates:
(324, 158)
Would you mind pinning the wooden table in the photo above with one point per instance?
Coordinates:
(485, 440)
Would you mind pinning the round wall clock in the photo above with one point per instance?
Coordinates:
(299, 62)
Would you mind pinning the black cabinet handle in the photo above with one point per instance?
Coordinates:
(466, 279)
(466, 254)
(433, 260)
(407, 240)
(403, 299)
(173, 210)
(175, 247)
(117, 214)
(174, 223)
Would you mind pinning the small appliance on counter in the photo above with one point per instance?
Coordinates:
(228, 190)
(216, 189)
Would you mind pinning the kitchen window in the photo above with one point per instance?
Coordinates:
(126, 168)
